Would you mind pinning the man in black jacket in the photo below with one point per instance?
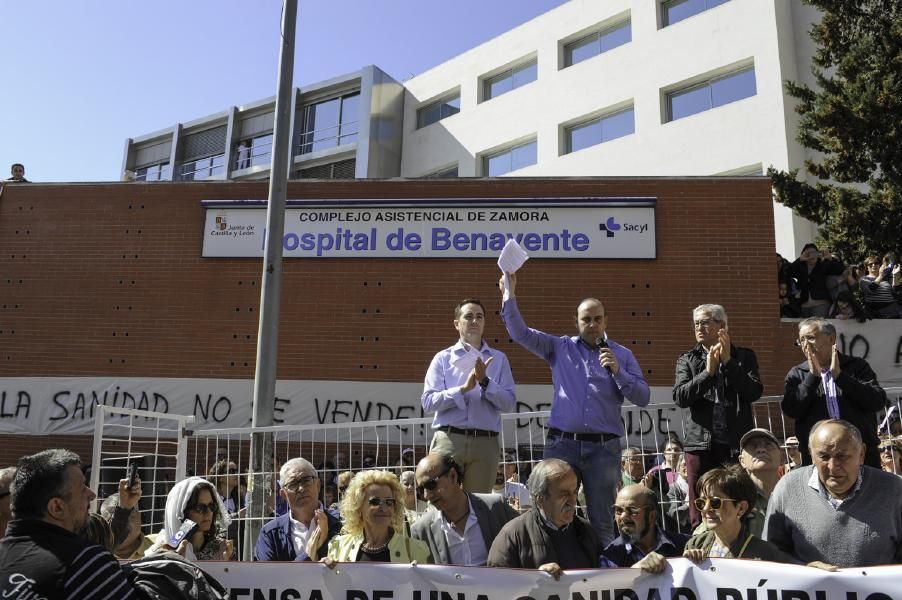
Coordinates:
(832, 385)
(42, 556)
(716, 383)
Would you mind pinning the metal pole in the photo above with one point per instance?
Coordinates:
(270, 292)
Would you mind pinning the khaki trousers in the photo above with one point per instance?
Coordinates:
(478, 456)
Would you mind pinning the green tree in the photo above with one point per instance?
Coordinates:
(854, 123)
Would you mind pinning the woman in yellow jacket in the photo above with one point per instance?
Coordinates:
(373, 510)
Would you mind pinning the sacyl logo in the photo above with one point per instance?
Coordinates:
(609, 226)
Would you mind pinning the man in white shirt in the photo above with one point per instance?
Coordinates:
(303, 533)
(516, 494)
(468, 386)
(461, 528)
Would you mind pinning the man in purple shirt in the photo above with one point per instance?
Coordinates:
(592, 376)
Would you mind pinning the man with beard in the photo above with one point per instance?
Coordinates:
(42, 555)
(642, 542)
(550, 536)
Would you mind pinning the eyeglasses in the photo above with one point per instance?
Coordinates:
(233, 470)
(202, 508)
(387, 502)
(303, 481)
(886, 449)
(630, 510)
(715, 501)
(432, 483)
(705, 323)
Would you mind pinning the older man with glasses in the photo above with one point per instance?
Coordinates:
(716, 384)
(832, 385)
(642, 542)
(461, 529)
(303, 533)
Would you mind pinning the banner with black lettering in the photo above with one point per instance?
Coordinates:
(715, 579)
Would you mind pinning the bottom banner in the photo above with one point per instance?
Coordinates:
(717, 579)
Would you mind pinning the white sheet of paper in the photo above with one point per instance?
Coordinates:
(511, 259)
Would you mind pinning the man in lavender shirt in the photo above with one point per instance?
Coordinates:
(592, 376)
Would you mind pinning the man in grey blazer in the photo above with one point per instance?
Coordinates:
(460, 526)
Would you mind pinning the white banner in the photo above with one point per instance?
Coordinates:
(715, 579)
(430, 228)
(44, 405)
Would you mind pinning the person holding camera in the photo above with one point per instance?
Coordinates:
(811, 270)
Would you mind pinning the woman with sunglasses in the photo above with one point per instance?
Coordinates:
(724, 498)
(373, 511)
(195, 498)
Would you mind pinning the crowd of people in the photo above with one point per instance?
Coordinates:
(819, 284)
(725, 489)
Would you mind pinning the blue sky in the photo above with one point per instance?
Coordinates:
(81, 76)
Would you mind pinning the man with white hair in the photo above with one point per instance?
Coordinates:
(303, 533)
(832, 385)
(716, 384)
(837, 511)
(6, 480)
(550, 536)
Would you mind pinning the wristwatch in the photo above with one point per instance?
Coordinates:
(485, 382)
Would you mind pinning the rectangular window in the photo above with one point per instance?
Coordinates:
(509, 80)
(674, 11)
(254, 152)
(600, 130)
(330, 123)
(158, 172)
(597, 43)
(711, 94)
(203, 168)
(449, 173)
(436, 111)
(509, 160)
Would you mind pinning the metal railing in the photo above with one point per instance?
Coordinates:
(336, 448)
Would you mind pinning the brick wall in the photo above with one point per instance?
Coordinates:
(108, 280)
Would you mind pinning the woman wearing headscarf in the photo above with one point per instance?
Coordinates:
(195, 498)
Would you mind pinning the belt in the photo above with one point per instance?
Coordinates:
(469, 432)
(553, 432)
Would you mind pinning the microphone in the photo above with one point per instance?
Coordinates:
(602, 343)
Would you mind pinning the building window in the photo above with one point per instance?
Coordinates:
(510, 79)
(447, 173)
(436, 111)
(160, 172)
(203, 168)
(254, 152)
(518, 157)
(711, 94)
(674, 11)
(600, 130)
(343, 169)
(330, 123)
(598, 42)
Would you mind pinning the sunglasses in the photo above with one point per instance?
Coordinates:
(630, 510)
(715, 501)
(202, 508)
(885, 449)
(4, 495)
(387, 502)
(432, 483)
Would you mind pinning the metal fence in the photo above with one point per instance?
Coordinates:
(345, 447)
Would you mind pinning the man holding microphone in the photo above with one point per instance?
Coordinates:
(592, 376)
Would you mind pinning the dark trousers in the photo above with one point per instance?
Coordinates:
(699, 462)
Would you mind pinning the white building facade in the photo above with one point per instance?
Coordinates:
(591, 88)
